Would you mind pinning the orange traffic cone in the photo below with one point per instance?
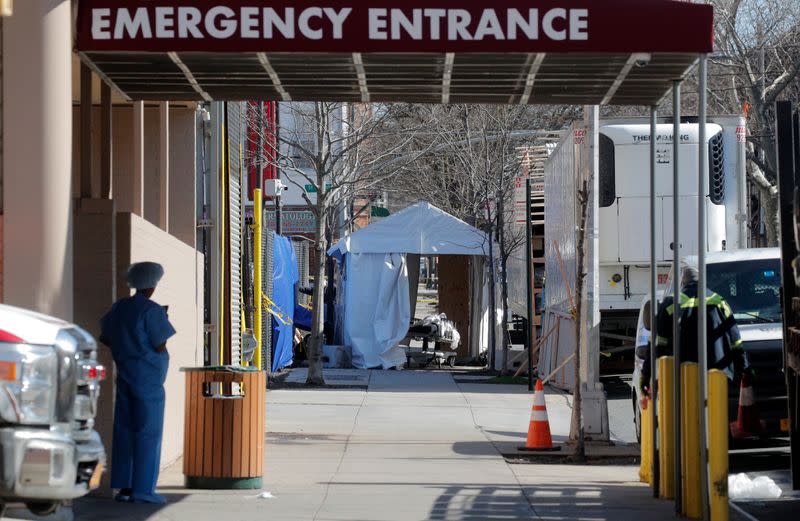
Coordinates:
(747, 424)
(539, 428)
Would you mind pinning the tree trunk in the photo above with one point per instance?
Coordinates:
(768, 194)
(317, 338)
(576, 428)
(772, 222)
(503, 283)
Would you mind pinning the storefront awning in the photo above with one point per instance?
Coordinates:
(623, 52)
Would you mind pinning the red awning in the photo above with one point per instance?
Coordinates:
(504, 51)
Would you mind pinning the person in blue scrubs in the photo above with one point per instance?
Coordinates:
(137, 329)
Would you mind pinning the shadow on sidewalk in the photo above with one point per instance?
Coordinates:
(92, 508)
(104, 509)
(598, 502)
(496, 447)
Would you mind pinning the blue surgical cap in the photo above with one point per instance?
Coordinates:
(144, 275)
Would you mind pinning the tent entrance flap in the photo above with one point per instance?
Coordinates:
(376, 310)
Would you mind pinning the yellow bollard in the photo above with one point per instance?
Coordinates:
(718, 444)
(690, 442)
(645, 468)
(666, 427)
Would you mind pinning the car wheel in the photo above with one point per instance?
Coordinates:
(43, 508)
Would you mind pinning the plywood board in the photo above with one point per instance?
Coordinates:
(454, 295)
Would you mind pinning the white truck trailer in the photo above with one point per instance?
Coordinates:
(620, 242)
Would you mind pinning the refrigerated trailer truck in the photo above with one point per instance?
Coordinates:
(623, 215)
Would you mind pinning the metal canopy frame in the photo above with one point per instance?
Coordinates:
(513, 78)
(702, 338)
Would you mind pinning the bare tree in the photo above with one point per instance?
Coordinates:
(759, 43)
(755, 64)
(471, 165)
(321, 148)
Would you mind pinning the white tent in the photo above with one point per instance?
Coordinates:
(422, 229)
(373, 302)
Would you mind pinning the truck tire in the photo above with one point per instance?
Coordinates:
(43, 508)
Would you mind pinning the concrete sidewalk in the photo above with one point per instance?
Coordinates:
(413, 446)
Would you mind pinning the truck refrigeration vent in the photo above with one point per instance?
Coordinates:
(716, 170)
(608, 188)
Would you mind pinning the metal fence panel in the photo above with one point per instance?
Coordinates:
(236, 222)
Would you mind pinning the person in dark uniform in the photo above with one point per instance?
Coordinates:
(724, 350)
(137, 329)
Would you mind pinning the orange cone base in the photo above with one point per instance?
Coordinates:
(546, 449)
(738, 433)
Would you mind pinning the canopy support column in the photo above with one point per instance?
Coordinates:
(676, 287)
(37, 262)
(702, 339)
(653, 296)
(594, 404)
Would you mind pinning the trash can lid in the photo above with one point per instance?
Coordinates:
(222, 368)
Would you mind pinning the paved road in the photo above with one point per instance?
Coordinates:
(414, 445)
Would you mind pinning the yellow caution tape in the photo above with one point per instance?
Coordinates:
(274, 310)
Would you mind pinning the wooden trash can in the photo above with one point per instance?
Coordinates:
(224, 427)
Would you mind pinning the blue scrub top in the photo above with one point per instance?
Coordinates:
(135, 326)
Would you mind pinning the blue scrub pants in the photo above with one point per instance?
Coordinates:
(138, 428)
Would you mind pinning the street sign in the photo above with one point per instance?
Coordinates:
(293, 221)
(519, 202)
(312, 189)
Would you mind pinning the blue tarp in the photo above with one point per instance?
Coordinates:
(302, 318)
(284, 279)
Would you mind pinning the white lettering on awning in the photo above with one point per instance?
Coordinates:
(139, 22)
(101, 24)
(284, 25)
(412, 27)
(165, 22)
(549, 25)
(489, 25)
(378, 24)
(220, 23)
(318, 23)
(189, 19)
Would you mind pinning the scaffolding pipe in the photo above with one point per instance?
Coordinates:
(529, 280)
